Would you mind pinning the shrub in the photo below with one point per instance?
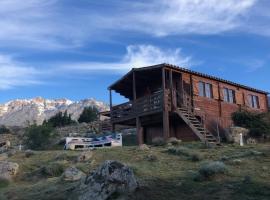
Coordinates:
(183, 151)
(3, 182)
(211, 169)
(158, 141)
(59, 120)
(4, 130)
(151, 158)
(88, 115)
(258, 124)
(39, 137)
(53, 169)
(174, 141)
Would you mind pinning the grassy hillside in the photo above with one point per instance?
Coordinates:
(162, 174)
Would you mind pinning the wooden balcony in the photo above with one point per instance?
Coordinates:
(146, 105)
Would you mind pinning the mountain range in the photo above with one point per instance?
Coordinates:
(21, 112)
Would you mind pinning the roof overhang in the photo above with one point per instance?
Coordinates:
(126, 80)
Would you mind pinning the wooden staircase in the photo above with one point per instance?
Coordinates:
(197, 127)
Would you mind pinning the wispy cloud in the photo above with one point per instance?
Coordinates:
(136, 56)
(52, 24)
(15, 74)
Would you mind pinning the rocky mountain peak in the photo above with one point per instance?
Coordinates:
(21, 112)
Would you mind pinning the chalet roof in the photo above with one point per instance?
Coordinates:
(181, 69)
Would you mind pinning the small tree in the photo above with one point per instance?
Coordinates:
(60, 119)
(88, 115)
(256, 123)
(39, 137)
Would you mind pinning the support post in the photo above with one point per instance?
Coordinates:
(134, 86)
(172, 92)
(166, 123)
(111, 110)
(139, 130)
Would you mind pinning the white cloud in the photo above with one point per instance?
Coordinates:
(187, 16)
(136, 56)
(52, 24)
(15, 74)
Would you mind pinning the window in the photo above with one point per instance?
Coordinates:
(205, 89)
(201, 89)
(229, 95)
(253, 101)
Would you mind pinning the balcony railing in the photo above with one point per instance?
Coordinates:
(142, 106)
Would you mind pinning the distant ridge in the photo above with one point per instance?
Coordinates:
(21, 112)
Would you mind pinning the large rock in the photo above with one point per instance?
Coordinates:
(72, 174)
(109, 179)
(8, 170)
(233, 135)
(144, 147)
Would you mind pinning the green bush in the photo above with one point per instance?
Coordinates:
(183, 151)
(88, 115)
(39, 137)
(3, 182)
(53, 169)
(258, 124)
(59, 120)
(211, 169)
(4, 130)
(174, 141)
(158, 141)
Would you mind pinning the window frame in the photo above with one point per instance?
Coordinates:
(254, 101)
(229, 95)
(206, 90)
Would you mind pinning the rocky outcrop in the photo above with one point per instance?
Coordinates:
(72, 174)
(233, 135)
(110, 179)
(22, 112)
(8, 170)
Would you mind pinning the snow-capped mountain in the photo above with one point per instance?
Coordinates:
(22, 112)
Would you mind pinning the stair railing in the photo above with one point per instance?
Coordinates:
(186, 103)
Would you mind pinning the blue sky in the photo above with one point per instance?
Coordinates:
(75, 49)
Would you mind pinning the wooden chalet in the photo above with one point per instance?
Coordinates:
(169, 101)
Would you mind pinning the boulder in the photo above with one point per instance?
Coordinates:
(144, 147)
(72, 174)
(85, 156)
(8, 170)
(233, 135)
(109, 180)
(3, 156)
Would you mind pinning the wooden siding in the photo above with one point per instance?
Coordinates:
(152, 112)
(215, 109)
